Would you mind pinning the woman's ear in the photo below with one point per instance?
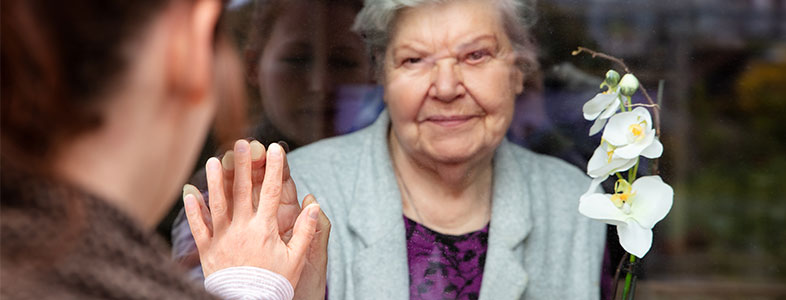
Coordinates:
(192, 48)
(518, 80)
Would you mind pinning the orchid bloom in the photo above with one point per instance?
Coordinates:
(603, 162)
(628, 135)
(605, 104)
(634, 209)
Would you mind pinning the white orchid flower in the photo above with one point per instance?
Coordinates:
(628, 135)
(605, 104)
(600, 108)
(634, 209)
(603, 162)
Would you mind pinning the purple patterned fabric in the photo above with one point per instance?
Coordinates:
(444, 266)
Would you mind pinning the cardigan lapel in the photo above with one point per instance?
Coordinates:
(380, 269)
(504, 276)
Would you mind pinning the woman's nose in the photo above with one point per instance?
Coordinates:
(318, 81)
(447, 82)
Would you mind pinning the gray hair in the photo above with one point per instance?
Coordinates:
(377, 18)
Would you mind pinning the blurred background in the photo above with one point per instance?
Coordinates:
(723, 64)
(724, 106)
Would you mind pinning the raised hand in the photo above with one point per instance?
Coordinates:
(245, 233)
(313, 278)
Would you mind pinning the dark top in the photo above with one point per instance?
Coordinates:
(444, 266)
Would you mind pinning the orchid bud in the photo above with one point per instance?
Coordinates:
(612, 78)
(628, 85)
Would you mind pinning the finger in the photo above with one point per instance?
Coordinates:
(198, 228)
(305, 226)
(286, 163)
(270, 194)
(228, 167)
(257, 162)
(219, 210)
(323, 229)
(257, 152)
(241, 191)
(308, 200)
(205, 213)
(289, 191)
(322, 233)
(257, 170)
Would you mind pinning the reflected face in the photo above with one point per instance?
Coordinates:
(450, 81)
(310, 53)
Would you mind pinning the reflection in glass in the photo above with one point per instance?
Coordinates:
(301, 58)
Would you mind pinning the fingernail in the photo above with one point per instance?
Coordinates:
(228, 161)
(241, 146)
(274, 149)
(213, 164)
(314, 213)
(256, 150)
(190, 190)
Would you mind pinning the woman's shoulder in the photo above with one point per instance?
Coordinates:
(545, 166)
(342, 151)
(330, 152)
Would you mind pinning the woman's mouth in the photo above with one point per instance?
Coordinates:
(449, 121)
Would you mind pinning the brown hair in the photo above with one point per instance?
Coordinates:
(58, 58)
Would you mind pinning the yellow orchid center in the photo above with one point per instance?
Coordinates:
(619, 199)
(609, 150)
(622, 193)
(636, 129)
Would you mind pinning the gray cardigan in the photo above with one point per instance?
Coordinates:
(539, 246)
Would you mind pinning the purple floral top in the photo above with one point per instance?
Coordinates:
(444, 266)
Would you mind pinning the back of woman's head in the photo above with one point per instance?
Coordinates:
(60, 60)
(58, 57)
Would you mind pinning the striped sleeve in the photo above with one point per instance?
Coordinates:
(249, 283)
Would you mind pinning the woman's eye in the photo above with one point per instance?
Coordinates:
(412, 60)
(297, 60)
(477, 56)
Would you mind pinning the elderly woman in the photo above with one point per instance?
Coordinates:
(431, 201)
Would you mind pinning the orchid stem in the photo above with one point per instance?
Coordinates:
(633, 172)
(630, 104)
(628, 278)
(632, 288)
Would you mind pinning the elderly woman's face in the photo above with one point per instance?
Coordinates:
(450, 80)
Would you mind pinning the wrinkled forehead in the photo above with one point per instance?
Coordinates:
(447, 25)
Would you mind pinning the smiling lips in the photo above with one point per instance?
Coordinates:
(449, 121)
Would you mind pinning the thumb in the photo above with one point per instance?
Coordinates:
(303, 233)
(322, 234)
(323, 223)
